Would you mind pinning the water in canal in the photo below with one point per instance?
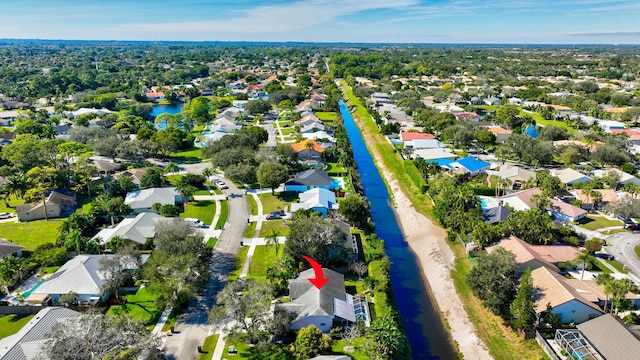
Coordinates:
(427, 334)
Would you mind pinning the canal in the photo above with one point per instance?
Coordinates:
(427, 334)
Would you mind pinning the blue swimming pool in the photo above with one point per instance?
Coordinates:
(28, 292)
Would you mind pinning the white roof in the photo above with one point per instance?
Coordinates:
(137, 229)
(81, 274)
(90, 111)
(568, 176)
(319, 135)
(426, 144)
(624, 177)
(27, 343)
(8, 114)
(315, 198)
(142, 199)
(432, 154)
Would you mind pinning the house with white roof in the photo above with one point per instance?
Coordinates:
(81, 275)
(142, 200)
(561, 211)
(318, 199)
(623, 177)
(319, 135)
(433, 154)
(29, 342)
(570, 176)
(137, 230)
(426, 144)
(325, 306)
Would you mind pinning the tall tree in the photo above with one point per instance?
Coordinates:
(605, 280)
(385, 340)
(524, 315)
(310, 342)
(586, 259)
(355, 209)
(493, 280)
(119, 269)
(272, 175)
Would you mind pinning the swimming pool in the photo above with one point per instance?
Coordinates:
(338, 183)
(26, 294)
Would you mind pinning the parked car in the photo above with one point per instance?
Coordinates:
(5, 215)
(222, 185)
(194, 222)
(632, 227)
(273, 216)
(605, 256)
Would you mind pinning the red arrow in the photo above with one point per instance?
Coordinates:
(319, 281)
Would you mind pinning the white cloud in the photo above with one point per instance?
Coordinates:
(276, 18)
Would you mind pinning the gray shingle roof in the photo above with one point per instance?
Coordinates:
(611, 339)
(28, 340)
(80, 274)
(312, 177)
(307, 300)
(142, 199)
(8, 248)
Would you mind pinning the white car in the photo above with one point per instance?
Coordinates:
(5, 215)
(222, 185)
(194, 222)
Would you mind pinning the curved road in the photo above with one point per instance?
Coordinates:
(193, 326)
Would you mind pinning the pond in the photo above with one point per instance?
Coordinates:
(172, 109)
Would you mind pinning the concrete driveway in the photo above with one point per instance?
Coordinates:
(193, 325)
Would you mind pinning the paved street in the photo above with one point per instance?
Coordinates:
(193, 326)
(621, 246)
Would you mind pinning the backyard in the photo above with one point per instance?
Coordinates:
(31, 234)
(11, 324)
(279, 201)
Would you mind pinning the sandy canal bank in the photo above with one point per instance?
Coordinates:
(428, 242)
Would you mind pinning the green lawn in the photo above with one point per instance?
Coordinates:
(617, 266)
(327, 116)
(31, 234)
(209, 347)
(237, 266)
(636, 250)
(50, 269)
(250, 231)
(224, 212)
(279, 201)
(263, 257)
(174, 179)
(595, 222)
(11, 324)
(279, 226)
(253, 205)
(191, 155)
(211, 243)
(333, 167)
(202, 210)
(541, 121)
(140, 306)
(287, 131)
(13, 202)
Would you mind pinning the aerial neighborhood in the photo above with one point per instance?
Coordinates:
(305, 201)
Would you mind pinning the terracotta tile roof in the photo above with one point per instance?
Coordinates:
(633, 134)
(608, 195)
(498, 130)
(409, 136)
(302, 145)
(522, 250)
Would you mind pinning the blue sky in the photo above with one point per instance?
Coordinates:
(422, 21)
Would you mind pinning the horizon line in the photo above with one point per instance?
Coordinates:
(525, 44)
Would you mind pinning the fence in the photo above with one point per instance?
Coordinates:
(20, 310)
(546, 347)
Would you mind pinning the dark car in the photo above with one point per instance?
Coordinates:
(605, 256)
(632, 227)
(273, 216)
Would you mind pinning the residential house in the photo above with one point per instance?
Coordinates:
(142, 200)
(434, 154)
(609, 196)
(492, 101)
(623, 177)
(408, 136)
(501, 134)
(561, 211)
(308, 151)
(604, 337)
(307, 120)
(135, 175)
(596, 293)
(551, 289)
(83, 111)
(469, 116)
(6, 138)
(351, 242)
(306, 105)
(155, 95)
(526, 257)
(317, 199)
(58, 203)
(633, 134)
(562, 110)
(611, 125)
(8, 117)
(309, 179)
(495, 214)
(476, 101)
(81, 275)
(106, 167)
(513, 173)
(570, 176)
(515, 101)
(323, 307)
(138, 230)
(29, 342)
(312, 128)
(319, 135)
(378, 98)
(7, 248)
(469, 165)
(426, 144)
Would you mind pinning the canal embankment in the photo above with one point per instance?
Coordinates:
(427, 248)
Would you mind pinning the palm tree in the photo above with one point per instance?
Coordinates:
(596, 197)
(604, 280)
(206, 172)
(619, 289)
(587, 260)
(272, 239)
